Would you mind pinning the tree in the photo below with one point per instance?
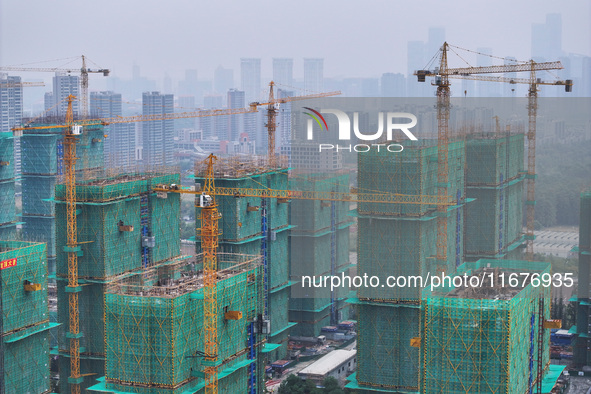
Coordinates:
(331, 386)
(296, 385)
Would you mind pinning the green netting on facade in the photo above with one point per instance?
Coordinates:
(39, 154)
(6, 156)
(310, 255)
(8, 232)
(385, 358)
(151, 339)
(310, 216)
(484, 345)
(404, 247)
(278, 311)
(165, 217)
(581, 354)
(309, 324)
(412, 171)
(26, 361)
(21, 308)
(278, 255)
(90, 147)
(91, 314)
(492, 159)
(494, 219)
(40, 229)
(108, 249)
(93, 366)
(241, 217)
(39, 189)
(7, 201)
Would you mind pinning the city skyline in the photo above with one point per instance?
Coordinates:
(345, 46)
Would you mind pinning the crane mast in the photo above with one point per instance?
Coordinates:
(209, 236)
(443, 104)
(72, 248)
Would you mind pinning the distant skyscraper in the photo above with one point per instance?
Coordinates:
(11, 102)
(119, 146)
(546, 39)
(185, 104)
(283, 121)
(63, 86)
(416, 60)
(235, 122)
(208, 123)
(250, 75)
(283, 71)
(223, 79)
(435, 41)
(158, 135)
(313, 75)
(393, 85)
(189, 85)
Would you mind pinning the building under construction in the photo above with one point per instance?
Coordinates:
(24, 318)
(494, 179)
(583, 329)
(319, 247)
(154, 337)
(492, 338)
(7, 183)
(122, 228)
(257, 226)
(42, 168)
(400, 240)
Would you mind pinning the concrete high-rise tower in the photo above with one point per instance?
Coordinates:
(313, 75)
(250, 77)
(63, 86)
(11, 102)
(235, 122)
(283, 71)
(157, 135)
(223, 79)
(119, 147)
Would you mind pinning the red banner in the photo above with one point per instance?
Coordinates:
(8, 263)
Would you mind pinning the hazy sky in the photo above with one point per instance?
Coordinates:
(356, 38)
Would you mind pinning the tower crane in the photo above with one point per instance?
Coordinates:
(272, 107)
(210, 231)
(72, 130)
(442, 76)
(84, 71)
(4, 84)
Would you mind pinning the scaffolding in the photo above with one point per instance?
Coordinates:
(24, 318)
(110, 228)
(256, 226)
(400, 240)
(123, 227)
(494, 178)
(7, 179)
(319, 247)
(483, 339)
(581, 347)
(153, 319)
(42, 166)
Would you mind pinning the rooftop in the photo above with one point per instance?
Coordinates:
(329, 362)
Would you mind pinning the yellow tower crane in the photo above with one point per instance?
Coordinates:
(84, 71)
(442, 76)
(72, 130)
(209, 238)
(4, 84)
(272, 107)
